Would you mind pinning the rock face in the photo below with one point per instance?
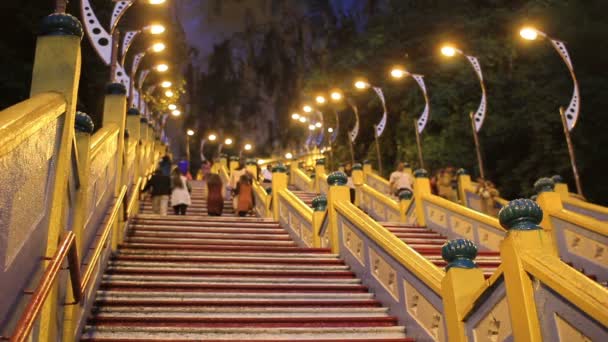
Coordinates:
(252, 77)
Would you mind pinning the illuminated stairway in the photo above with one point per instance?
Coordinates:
(305, 196)
(226, 278)
(428, 243)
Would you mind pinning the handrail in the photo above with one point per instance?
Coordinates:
(426, 271)
(134, 196)
(464, 211)
(100, 137)
(102, 239)
(301, 207)
(380, 196)
(584, 221)
(20, 121)
(32, 310)
(585, 205)
(589, 296)
(378, 178)
(481, 294)
(298, 173)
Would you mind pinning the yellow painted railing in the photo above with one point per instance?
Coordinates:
(378, 205)
(321, 180)
(377, 183)
(301, 180)
(297, 217)
(578, 206)
(262, 200)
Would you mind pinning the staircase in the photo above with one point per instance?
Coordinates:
(195, 278)
(305, 196)
(428, 243)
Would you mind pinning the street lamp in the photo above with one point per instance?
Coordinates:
(330, 130)
(212, 137)
(362, 84)
(159, 47)
(161, 67)
(478, 117)
(318, 125)
(228, 142)
(320, 99)
(156, 2)
(166, 84)
(172, 107)
(399, 72)
(169, 93)
(288, 155)
(336, 95)
(176, 113)
(189, 133)
(307, 108)
(311, 127)
(303, 119)
(295, 116)
(247, 147)
(570, 115)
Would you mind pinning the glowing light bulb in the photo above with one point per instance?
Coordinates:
(158, 47)
(320, 99)
(295, 116)
(311, 127)
(212, 137)
(190, 132)
(448, 51)
(360, 84)
(336, 96)
(169, 93)
(303, 119)
(318, 125)
(156, 2)
(288, 155)
(172, 107)
(161, 67)
(156, 29)
(330, 130)
(307, 108)
(228, 141)
(398, 72)
(248, 147)
(528, 33)
(166, 84)
(176, 113)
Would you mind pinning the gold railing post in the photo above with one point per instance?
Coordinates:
(521, 217)
(405, 199)
(319, 171)
(338, 192)
(358, 181)
(464, 182)
(134, 128)
(422, 188)
(114, 112)
(458, 288)
(279, 183)
(252, 167)
(319, 205)
(56, 68)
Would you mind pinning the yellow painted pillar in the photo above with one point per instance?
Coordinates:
(521, 218)
(407, 168)
(279, 183)
(358, 181)
(319, 171)
(422, 188)
(224, 161)
(338, 192)
(56, 68)
(114, 113)
(458, 288)
(561, 187)
(464, 182)
(134, 128)
(550, 202)
(319, 205)
(405, 200)
(234, 164)
(367, 169)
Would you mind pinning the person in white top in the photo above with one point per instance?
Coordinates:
(267, 174)
(400, 180)
(180, 193)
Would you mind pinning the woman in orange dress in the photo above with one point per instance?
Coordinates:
(215, 200)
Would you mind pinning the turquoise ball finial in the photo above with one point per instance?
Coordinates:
(357, 166)
(521, 214)
(461, 172)
(116, 89)
(320, 161)
(421, 173)
(406, 194)
(459, 253)
(557, 179)
(83, 123)
(61, 24)
(279, 168)
(132, 111)
(337, 178)
(319, 203)
(544, 184)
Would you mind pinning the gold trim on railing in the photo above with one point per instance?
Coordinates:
(100, 137)
(393, 204)
(301, 207)
(424, 270)
(464, 211)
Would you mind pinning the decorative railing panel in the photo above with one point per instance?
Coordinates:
(455, 221)
(377, 183)
(597, 212)
(262, 200)
(30, 136)
(490, 319)
(402, 279)
(378, 205)
(302, 181)
(296, 217)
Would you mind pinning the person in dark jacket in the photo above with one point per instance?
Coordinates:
(165, 165)
(215, 199)
(159, 186)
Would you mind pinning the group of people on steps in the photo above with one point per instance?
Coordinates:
(171, 184)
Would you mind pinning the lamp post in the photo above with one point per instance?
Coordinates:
(362, 84)
(245, 149)
(189, 133)
(569, 116)
(399, 73)
(477, 117)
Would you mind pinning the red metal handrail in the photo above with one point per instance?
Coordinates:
(79, 284)
(66, 248)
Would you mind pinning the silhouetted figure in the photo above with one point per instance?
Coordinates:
(180, 193)
(215, 199)
(160, 186)
(244, 194)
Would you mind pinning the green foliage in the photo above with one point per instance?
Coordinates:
(522, 138)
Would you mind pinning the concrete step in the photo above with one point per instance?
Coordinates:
(226, 266)
(189, 312)
(302, 334)
(223, 297)
(225, 279)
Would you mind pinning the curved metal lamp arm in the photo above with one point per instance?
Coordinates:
(480, 114)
